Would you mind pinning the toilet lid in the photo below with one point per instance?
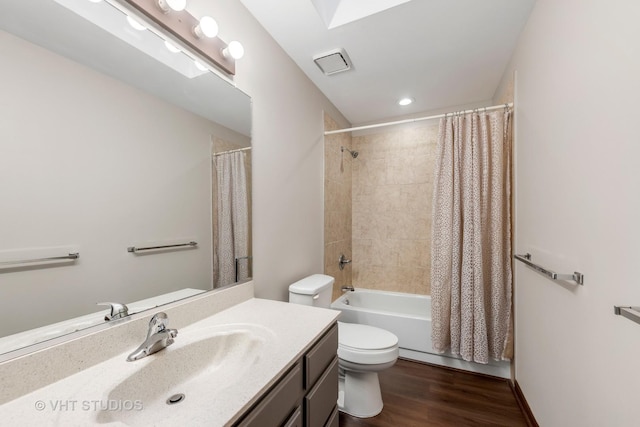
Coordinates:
(365, 337)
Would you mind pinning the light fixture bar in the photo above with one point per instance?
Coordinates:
(180, 25)
(110, 16)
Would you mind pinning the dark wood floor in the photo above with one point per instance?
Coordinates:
(416, 394)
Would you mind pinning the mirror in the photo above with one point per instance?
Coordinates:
(106, 148)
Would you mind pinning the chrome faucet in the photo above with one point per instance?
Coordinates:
(347, 288)
(158, 337)
(118, 311)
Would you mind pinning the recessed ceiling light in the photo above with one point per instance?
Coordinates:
(405, 101)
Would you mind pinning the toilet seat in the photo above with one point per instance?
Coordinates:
(366, 345)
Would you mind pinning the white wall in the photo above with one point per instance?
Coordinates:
(287, 141)
(577, 209)
(91, 163)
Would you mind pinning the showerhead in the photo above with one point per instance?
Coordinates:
(354, 154)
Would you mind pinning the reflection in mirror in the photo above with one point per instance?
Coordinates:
(232, 212)
(104, 148)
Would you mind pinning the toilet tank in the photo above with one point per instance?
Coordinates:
(313, 290)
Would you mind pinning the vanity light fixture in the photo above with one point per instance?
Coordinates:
(197, 37)
(167, 6)
(200, 66)
(171, 47)
(135, 24)
(235, 50)
(110, 15)
(207, 27)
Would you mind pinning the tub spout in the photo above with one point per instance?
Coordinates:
(347, 288)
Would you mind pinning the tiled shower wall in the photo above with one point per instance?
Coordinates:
(337, 205)
(391, 226)
(378, 207)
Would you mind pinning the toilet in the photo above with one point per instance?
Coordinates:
(363, 351)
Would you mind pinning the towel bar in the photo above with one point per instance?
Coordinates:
(248, 258)
(71, 256)
(526, 258)
(134, 249)
(631, 313)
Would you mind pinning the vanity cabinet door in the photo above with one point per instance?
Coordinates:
(279, 403)
(321, 401)
(320, 356)
(287, 405)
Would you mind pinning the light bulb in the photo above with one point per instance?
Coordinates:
(405, 101)
(171, 47)
(208, 27)
(200, 66)
(135, 24)
(169, 5)
(234, 50)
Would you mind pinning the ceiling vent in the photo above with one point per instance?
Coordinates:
(333, 62)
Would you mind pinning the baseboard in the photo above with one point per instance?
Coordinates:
(500, 369)
(524, 406)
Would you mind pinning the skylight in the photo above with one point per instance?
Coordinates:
(339, 12)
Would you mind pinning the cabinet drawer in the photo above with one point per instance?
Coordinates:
(321, 401)
(320, 356)
(276, 406)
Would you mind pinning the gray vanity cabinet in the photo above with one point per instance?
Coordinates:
(306, 395)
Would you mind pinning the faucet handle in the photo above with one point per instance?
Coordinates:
(158, 323)
(118, 311)
(342, 261)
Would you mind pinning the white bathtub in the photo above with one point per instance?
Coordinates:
(408, 316)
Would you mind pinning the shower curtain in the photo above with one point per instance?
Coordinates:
(233, 224)
(471, 237)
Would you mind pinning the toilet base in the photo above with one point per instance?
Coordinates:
(359, 394)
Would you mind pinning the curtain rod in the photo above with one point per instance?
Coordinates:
(399, 122)
(231, 151)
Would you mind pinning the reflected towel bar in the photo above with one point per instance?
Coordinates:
(134, 249)
(71, 256)
(238, 259)
(631, 313)
(526, 258)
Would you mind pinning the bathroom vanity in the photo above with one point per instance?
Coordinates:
(237, 360)
(307, 394)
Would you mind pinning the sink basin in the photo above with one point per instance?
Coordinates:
(212, 358)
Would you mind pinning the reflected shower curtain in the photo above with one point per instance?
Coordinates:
(471, 237)
(233, 223)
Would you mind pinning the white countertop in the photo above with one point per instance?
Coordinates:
(77, 400)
